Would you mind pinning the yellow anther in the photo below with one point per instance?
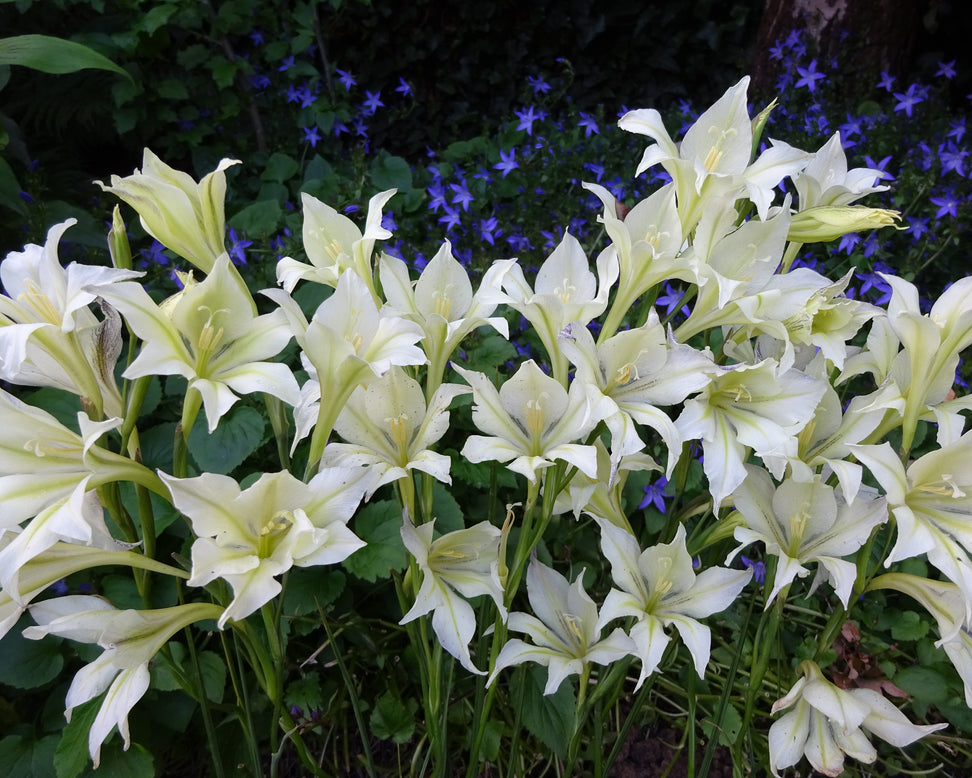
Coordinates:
(356, 341)
(573, 628)
(534, 416)
(397, 426)
(626, 374)
(740, 393)
(443, 303)
(716, 152)
(946, 486)
(270, 533)
(33, 297)
(565, 290)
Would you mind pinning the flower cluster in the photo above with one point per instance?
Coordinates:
(365, 356)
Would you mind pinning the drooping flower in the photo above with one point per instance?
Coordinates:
(828, 722)
(565, 291)
(636, 371)
(334, 244)
(756, 406)
(565, 631)
(713, 157)
(130, 639)
(931, 502)
(442, 302)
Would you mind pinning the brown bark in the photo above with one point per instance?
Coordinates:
(865, 37)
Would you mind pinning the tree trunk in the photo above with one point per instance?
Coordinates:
(863, 37)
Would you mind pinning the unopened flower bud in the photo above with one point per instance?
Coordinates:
(828, 222)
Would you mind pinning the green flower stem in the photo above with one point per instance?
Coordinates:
(500, 633)
(792, 249)
(271, 626)
(191, 404)
(615, 316)
(135, 399)
(234, 664)
(829, 633)
(207, 715)
(352, 692)
(524, 544)
(327, 413)
(580, 714)
(766, 635)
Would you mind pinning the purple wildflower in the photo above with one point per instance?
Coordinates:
(347, 79)
(311, 135)
(372, 102)
(809, 76)
(589, 123)
(507, 161)
(403, 88)
(655, 495)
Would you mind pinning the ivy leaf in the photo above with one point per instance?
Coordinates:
(311, 587)
(379, 525)
(238, 435)
(909, 626)
(258, 220)
(391, 720)
(389, 172)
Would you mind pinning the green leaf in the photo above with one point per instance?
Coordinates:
(238, 435)
(280, 167)
(214, 674)
(10, 190)
(157, 17)
(311, 587)
(729, 728)
(27, 664)
(61, 404)
(909, 626)
(550, 717)
(379, 525)
(259, 220)
(71, 753)
(16, 756)
(447, 511)
(391, 720)
(136, 762)
(53, 55)
(224, 73)
(491, 349)
(923, 683)
(388, 172)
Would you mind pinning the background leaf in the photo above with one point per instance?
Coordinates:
(238, 435)
(53, 55)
